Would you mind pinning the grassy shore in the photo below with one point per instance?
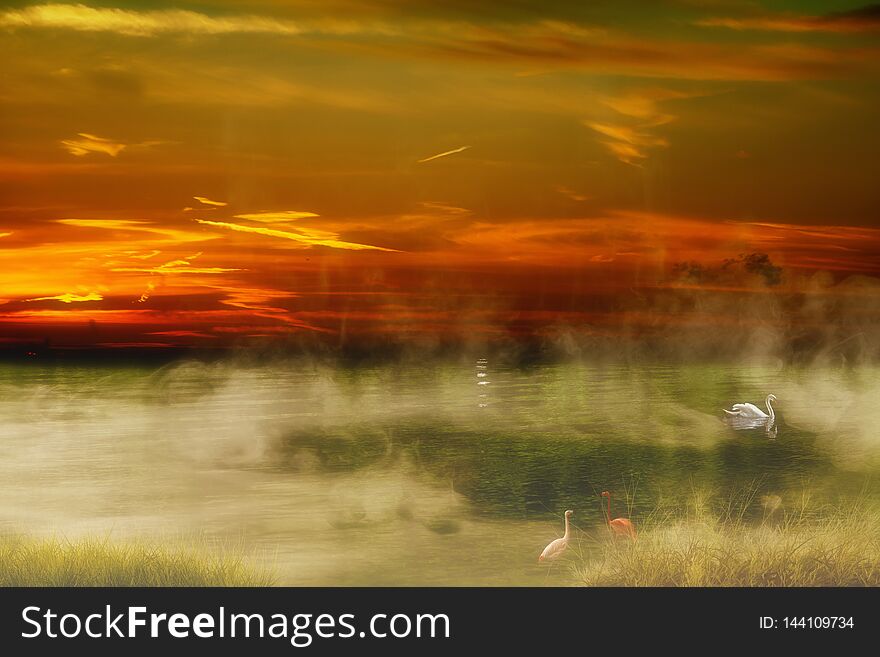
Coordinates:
(704, 545)
(28, 561)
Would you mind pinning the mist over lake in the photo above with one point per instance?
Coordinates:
(449, 472)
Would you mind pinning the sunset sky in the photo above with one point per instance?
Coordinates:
(208, 171)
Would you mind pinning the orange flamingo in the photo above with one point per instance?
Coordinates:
(619, 526)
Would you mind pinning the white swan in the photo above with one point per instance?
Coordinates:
(752, 411)
(557, 547)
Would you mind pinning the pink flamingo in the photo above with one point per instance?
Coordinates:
(557, 547)
(620, 526)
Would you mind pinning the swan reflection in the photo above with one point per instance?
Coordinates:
(739, 423)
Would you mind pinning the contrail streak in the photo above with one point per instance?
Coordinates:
(452, 152)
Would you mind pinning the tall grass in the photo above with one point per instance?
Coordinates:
(28, 561)
(712, 543)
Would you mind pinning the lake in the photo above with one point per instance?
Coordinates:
(417, 473)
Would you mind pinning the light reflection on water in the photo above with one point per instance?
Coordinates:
(395, 475)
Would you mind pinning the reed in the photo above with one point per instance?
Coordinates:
(718, 544)
(27, 561)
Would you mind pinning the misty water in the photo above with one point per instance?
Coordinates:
(409, 474)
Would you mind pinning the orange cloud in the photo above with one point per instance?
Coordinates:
(181, 266)
(556, 45)
(173, 235)
(864, 19)
(178, 270)
(573, 195)
(182, 334)
(547, 43)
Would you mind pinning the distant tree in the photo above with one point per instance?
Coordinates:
(755, 264)
(758, 264)
(694, 271)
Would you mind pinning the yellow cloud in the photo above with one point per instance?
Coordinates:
(307, 236)
(628, 144)
(124, 224)
(5, 234)
(142, 256)
(616, 132)
(632, 141)
(207, 201)
(141, 23)
(146, 293)
(643, 104)
(444, 154)
(276, 217)
(87, 143)
(69, 297)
